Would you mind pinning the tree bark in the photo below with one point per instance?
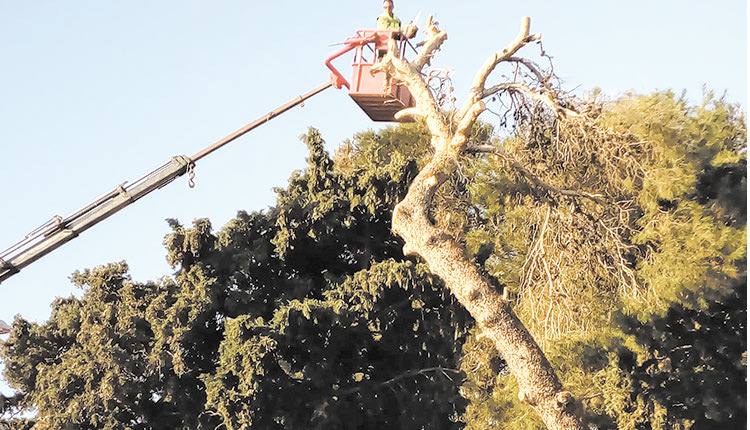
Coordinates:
(539, 385)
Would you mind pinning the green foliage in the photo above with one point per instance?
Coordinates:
(304, 316)
(696, 255)
(346, 361)
(371, 149)
(637, 210)
(352, 331)
(89, 364)
(687, 371)
(619, 237)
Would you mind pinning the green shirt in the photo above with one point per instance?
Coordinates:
(388, 22)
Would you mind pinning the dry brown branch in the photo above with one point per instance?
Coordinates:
(532, 68)
(489, 149)
(540, 96)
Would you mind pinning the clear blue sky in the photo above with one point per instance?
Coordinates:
(96, 93)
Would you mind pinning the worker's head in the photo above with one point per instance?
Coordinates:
(388, 5)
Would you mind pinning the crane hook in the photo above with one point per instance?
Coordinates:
(191, 174)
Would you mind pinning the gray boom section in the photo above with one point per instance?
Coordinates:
(58, 231)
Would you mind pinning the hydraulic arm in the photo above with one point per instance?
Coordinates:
(58, 231)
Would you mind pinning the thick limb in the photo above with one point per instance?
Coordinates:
(538, 383)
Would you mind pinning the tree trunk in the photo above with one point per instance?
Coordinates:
(538, 383)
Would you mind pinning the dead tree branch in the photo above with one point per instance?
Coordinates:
(518, 167)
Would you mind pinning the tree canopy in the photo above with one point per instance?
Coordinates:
(619, 280)
(304, 316)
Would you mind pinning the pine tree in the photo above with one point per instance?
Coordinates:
(303, 316)
(614, 236)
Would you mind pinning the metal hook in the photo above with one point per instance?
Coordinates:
(191, 175)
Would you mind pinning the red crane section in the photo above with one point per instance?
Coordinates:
(378, 96)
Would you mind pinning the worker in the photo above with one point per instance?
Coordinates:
(388, 21)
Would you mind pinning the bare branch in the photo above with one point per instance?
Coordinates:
(477, 89)
(435, 39)
(489, 65)
(408, 374)
(545, 97)
(463, 128)
(532, 68)
(407, 73)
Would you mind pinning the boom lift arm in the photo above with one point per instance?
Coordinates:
(58, 231)
(379, 97)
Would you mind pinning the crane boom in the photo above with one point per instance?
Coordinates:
(58, 231)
